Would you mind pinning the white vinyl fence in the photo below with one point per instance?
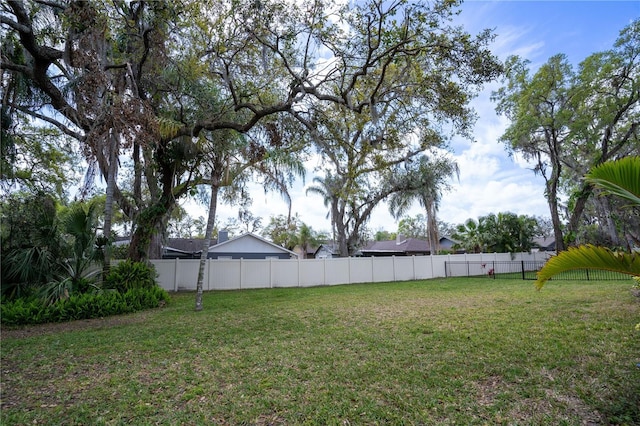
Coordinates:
(235, 274)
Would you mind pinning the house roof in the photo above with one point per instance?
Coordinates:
(548, 243)
(445, 238)
(330, 247)
(407, 245)
(187, 245)
(257, 244)
(194, 245)
(183, 245)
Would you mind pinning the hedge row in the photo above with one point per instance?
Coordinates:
(82, 306)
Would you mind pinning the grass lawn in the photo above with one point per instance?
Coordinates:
(454, 351)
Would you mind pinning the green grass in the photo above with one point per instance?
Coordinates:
(455, 351)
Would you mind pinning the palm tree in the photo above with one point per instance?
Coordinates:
(76, 274)
(232, 158)
(307, 238)
(619, 178)
(471, 233)
(32, 243)
(430, 177)
(329, 189)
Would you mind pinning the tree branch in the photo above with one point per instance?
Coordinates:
(66, 130)
(13, 24)
(23, 69)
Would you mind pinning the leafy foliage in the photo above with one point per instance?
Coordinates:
(31, 243)
(619, 178)
(128, 275)
(82, 306)
(48, 250)
(502, 233)
(173, 74)
(412, 227)
(282, 230)
(431, 176)
(567, 121)
(589, 257)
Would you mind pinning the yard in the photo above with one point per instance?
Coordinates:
(454, 351)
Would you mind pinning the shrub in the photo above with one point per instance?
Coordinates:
(129, 275)
(82, 306)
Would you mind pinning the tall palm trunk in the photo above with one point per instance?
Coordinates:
(432, 224)
(213, 205)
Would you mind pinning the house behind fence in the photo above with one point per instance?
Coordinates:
(235, 274)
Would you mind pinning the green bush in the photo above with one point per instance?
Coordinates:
(128, 275)
(82, 306)
(22, 311)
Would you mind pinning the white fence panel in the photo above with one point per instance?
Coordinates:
(474, 269)
(438, 266)
(403, 268)
(256, 273)
(312, 272)
(360, 270)
(177, 275)
(166, 270)
(226, 274)
(337, 271)
(422, 266)
(285, 273)
(383, 269)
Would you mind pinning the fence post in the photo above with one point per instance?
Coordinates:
(522, 263)
(175, 275)
(414, 267)
(241, 274)
(209, 274)
(324, 271)
(373, 274)
(393, 258)
(432, 274)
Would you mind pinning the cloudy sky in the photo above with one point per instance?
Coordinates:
(490, 181)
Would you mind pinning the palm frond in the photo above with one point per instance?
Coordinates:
(620, 177)
(589, 257)
(56, 290)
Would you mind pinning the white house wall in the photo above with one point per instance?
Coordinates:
(246, 244)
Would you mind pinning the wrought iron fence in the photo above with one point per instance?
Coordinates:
(522, 269)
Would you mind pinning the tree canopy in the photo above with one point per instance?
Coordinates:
(568, 121)
(502, 233)
(617, 178)
(147, 81)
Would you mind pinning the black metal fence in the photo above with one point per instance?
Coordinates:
(521, 269)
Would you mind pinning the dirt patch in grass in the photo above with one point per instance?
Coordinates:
(577, 407)
(63, 327)
(488, 389)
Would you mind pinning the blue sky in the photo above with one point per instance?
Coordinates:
(490, 181)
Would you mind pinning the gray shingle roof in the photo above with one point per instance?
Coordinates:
(408, 245)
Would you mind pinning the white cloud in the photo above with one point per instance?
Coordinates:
(517, 41)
